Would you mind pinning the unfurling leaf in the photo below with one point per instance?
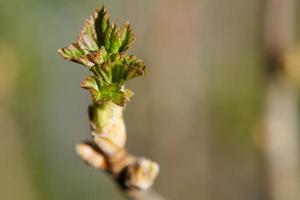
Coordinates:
(90, 82)
(113, 93)
(120, 39)
(110, 92)
(135, 67)
(121, 68)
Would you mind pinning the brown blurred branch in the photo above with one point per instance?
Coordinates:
(280, 117)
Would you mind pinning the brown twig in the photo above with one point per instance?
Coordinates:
(101, 47)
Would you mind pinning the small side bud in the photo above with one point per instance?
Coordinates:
(91, 156)
(141, 174)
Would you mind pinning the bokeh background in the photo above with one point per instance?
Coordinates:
(218, 108)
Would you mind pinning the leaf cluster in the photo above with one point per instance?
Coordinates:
(101, 47)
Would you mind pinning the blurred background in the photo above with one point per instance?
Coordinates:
(218, 109)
